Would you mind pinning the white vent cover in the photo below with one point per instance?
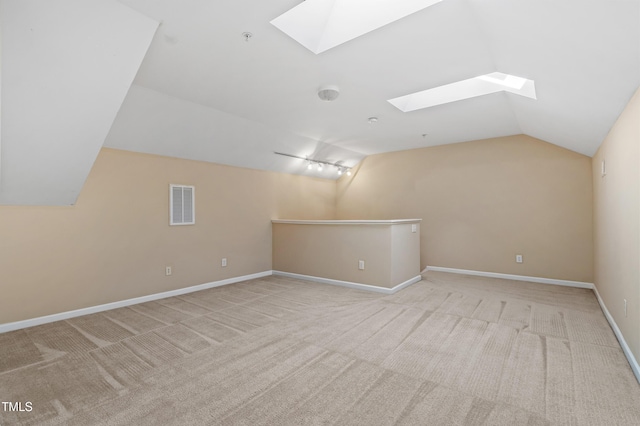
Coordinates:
(182, 205)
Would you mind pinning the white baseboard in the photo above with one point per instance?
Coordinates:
(113, 305)
(633, 362)
(566, 283)
(350, 284)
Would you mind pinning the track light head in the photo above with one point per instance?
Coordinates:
(319, 164)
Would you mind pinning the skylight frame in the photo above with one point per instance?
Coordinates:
(466, 89)
(320, 25)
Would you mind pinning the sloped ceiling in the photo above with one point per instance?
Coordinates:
(66, 68)
(583, 56)
(203, 92)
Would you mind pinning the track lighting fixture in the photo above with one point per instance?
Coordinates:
(320, 164)
(344, 170)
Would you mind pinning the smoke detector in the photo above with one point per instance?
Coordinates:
(328, 93)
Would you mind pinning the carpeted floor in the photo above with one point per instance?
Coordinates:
(449, 350)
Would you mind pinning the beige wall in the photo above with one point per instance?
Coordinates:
(405, 253)
(617, 222)
(483, 202)
(333, 252)
(391, 252)
(115, 242)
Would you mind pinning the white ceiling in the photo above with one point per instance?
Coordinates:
(65, 74)
(204, 93)
(584, 57)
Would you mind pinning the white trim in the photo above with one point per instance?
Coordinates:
(113, 305)
(567, 283)
(350, 284)
(347, 222)
(633, 362)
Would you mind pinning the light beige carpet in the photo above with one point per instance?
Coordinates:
(449, 350)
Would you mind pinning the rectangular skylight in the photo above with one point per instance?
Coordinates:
(465, 89)
(320, 25)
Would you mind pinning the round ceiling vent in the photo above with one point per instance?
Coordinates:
(328, 93)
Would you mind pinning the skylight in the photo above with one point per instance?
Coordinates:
(465, 89)
(320, 25)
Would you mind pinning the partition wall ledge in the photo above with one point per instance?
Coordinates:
(347, 222)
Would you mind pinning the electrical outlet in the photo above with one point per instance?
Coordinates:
(361, 265)
(518, 258)
(167, 271)
(224, 262)
(625, 307)
(414, 227)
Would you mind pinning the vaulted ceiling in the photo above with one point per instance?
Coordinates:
(205, 92)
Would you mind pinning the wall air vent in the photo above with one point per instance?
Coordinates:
(182, 205)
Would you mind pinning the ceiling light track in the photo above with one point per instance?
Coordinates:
(319, 163)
